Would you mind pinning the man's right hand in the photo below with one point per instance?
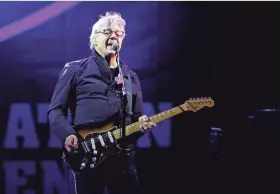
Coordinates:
(71, 143)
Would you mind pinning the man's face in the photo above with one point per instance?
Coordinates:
(108, 35)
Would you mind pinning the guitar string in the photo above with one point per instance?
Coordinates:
(172, 111)
(106, 138)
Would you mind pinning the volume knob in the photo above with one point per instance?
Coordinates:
(83, 165)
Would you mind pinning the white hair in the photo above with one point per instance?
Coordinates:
(109, 18)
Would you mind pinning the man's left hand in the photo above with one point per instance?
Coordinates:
(145, 123)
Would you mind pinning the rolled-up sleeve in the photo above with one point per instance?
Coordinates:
(57, 112)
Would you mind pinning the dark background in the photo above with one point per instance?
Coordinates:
(226, 50)
(233, 49)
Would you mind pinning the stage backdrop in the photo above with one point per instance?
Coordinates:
(36, 40)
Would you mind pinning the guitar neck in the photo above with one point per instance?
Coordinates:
(134, 127)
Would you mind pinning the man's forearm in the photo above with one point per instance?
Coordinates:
(59, 125)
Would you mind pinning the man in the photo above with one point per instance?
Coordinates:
(88, 88)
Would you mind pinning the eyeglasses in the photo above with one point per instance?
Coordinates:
(108, 32)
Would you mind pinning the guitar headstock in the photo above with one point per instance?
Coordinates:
(195, 104)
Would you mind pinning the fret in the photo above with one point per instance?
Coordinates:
(166, 114)
(132, 128)
(106, 135)
(192, 105)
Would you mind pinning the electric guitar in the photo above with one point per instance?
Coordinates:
(95, 144)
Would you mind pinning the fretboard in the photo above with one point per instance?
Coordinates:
(134, 127)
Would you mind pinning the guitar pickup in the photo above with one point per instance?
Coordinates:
(110, 136)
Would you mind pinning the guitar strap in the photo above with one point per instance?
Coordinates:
(129, 98)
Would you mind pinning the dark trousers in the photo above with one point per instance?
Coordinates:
(118, 174)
